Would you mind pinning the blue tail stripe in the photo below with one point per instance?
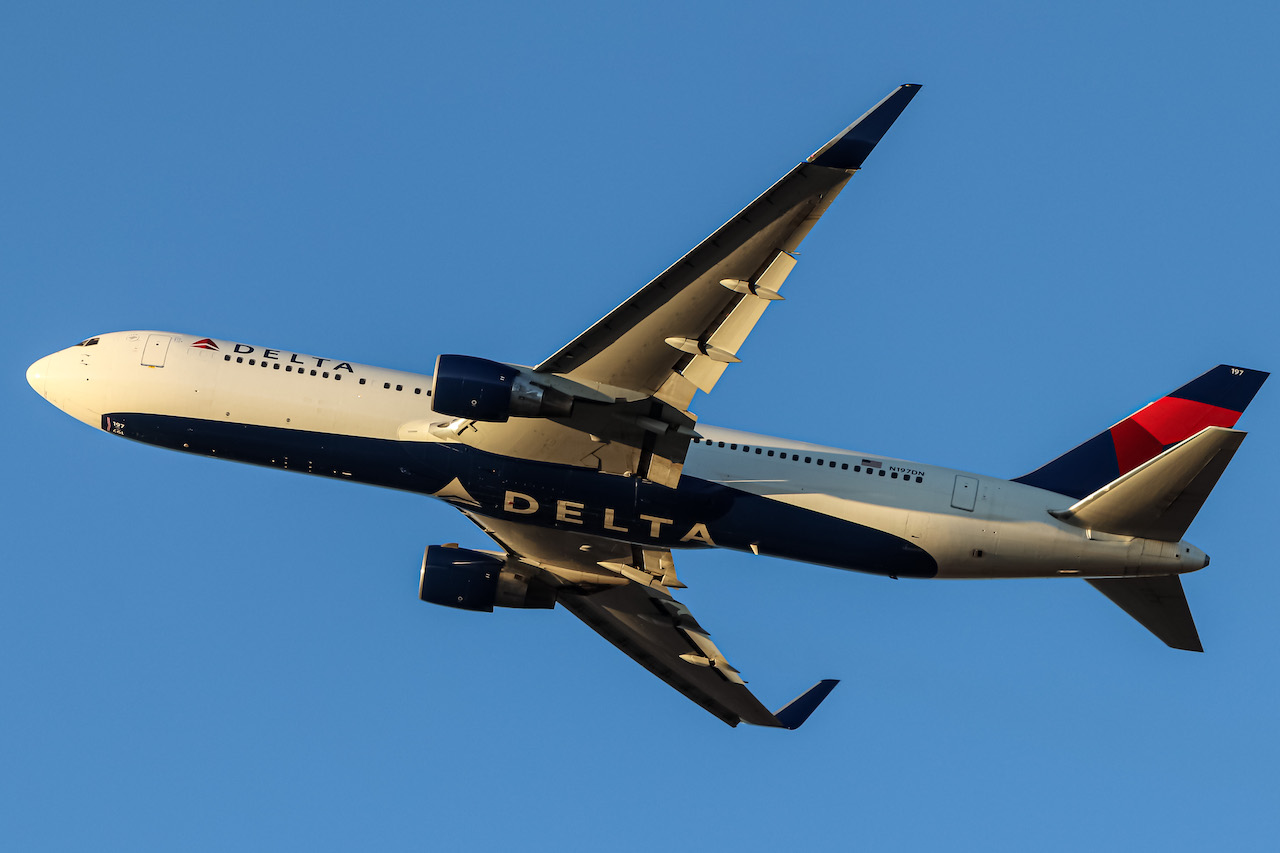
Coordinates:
(1078, 472)
(1225, 386)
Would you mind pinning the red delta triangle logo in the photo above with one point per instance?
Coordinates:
(205, 343)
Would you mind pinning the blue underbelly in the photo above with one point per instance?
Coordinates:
(698, 514)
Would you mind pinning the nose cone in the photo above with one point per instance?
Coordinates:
(63, 378)
(38, 374)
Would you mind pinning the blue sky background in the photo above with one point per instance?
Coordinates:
(1077, 214)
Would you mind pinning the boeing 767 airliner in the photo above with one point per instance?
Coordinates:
(589, 470)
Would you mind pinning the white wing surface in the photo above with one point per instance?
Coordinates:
(679, 332)
(642, 363)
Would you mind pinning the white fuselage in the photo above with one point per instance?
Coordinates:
(971, 525)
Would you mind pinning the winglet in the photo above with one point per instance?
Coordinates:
(793, 715)
(851, 147)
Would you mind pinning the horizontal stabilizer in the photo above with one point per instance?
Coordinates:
(1158, 604)
(793, 715)
(1160, 498)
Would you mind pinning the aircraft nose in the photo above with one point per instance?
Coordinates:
(63, 378)
(38, 374)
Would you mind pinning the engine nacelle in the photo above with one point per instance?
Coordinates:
(468, 387)
(476, 580)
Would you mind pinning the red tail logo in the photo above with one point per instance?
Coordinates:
(205, 343)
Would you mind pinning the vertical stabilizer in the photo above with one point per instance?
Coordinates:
(1213, 399)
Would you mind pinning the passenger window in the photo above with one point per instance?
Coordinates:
(844, 466)
(417, 390)
(313, 373)
(386, 385)
(757, 451)
(808, 459)
(226, 358)
(361, 380)
(733, 447)
(722, 444)
(770, 452)
(275, 366)
(250, 362)
(239, 359)
(324, 375)
(337, 376)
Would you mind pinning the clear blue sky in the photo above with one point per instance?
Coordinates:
(1077, 214)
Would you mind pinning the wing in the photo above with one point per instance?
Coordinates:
(623, 593)
(679, 332)
(633, 374)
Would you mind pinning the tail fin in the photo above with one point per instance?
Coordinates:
(1216, 398)
(1158, 500)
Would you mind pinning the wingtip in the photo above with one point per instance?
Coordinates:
(850, 149)
(794, 713)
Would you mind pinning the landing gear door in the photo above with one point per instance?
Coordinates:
(154, 352)
(965, 494)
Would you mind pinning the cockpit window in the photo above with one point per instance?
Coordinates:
(88, 343)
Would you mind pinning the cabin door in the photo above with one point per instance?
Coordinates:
(154, 352)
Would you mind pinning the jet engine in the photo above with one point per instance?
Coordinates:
(483, 390)
(477, 580)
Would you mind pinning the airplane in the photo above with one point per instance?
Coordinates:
(589, 470)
